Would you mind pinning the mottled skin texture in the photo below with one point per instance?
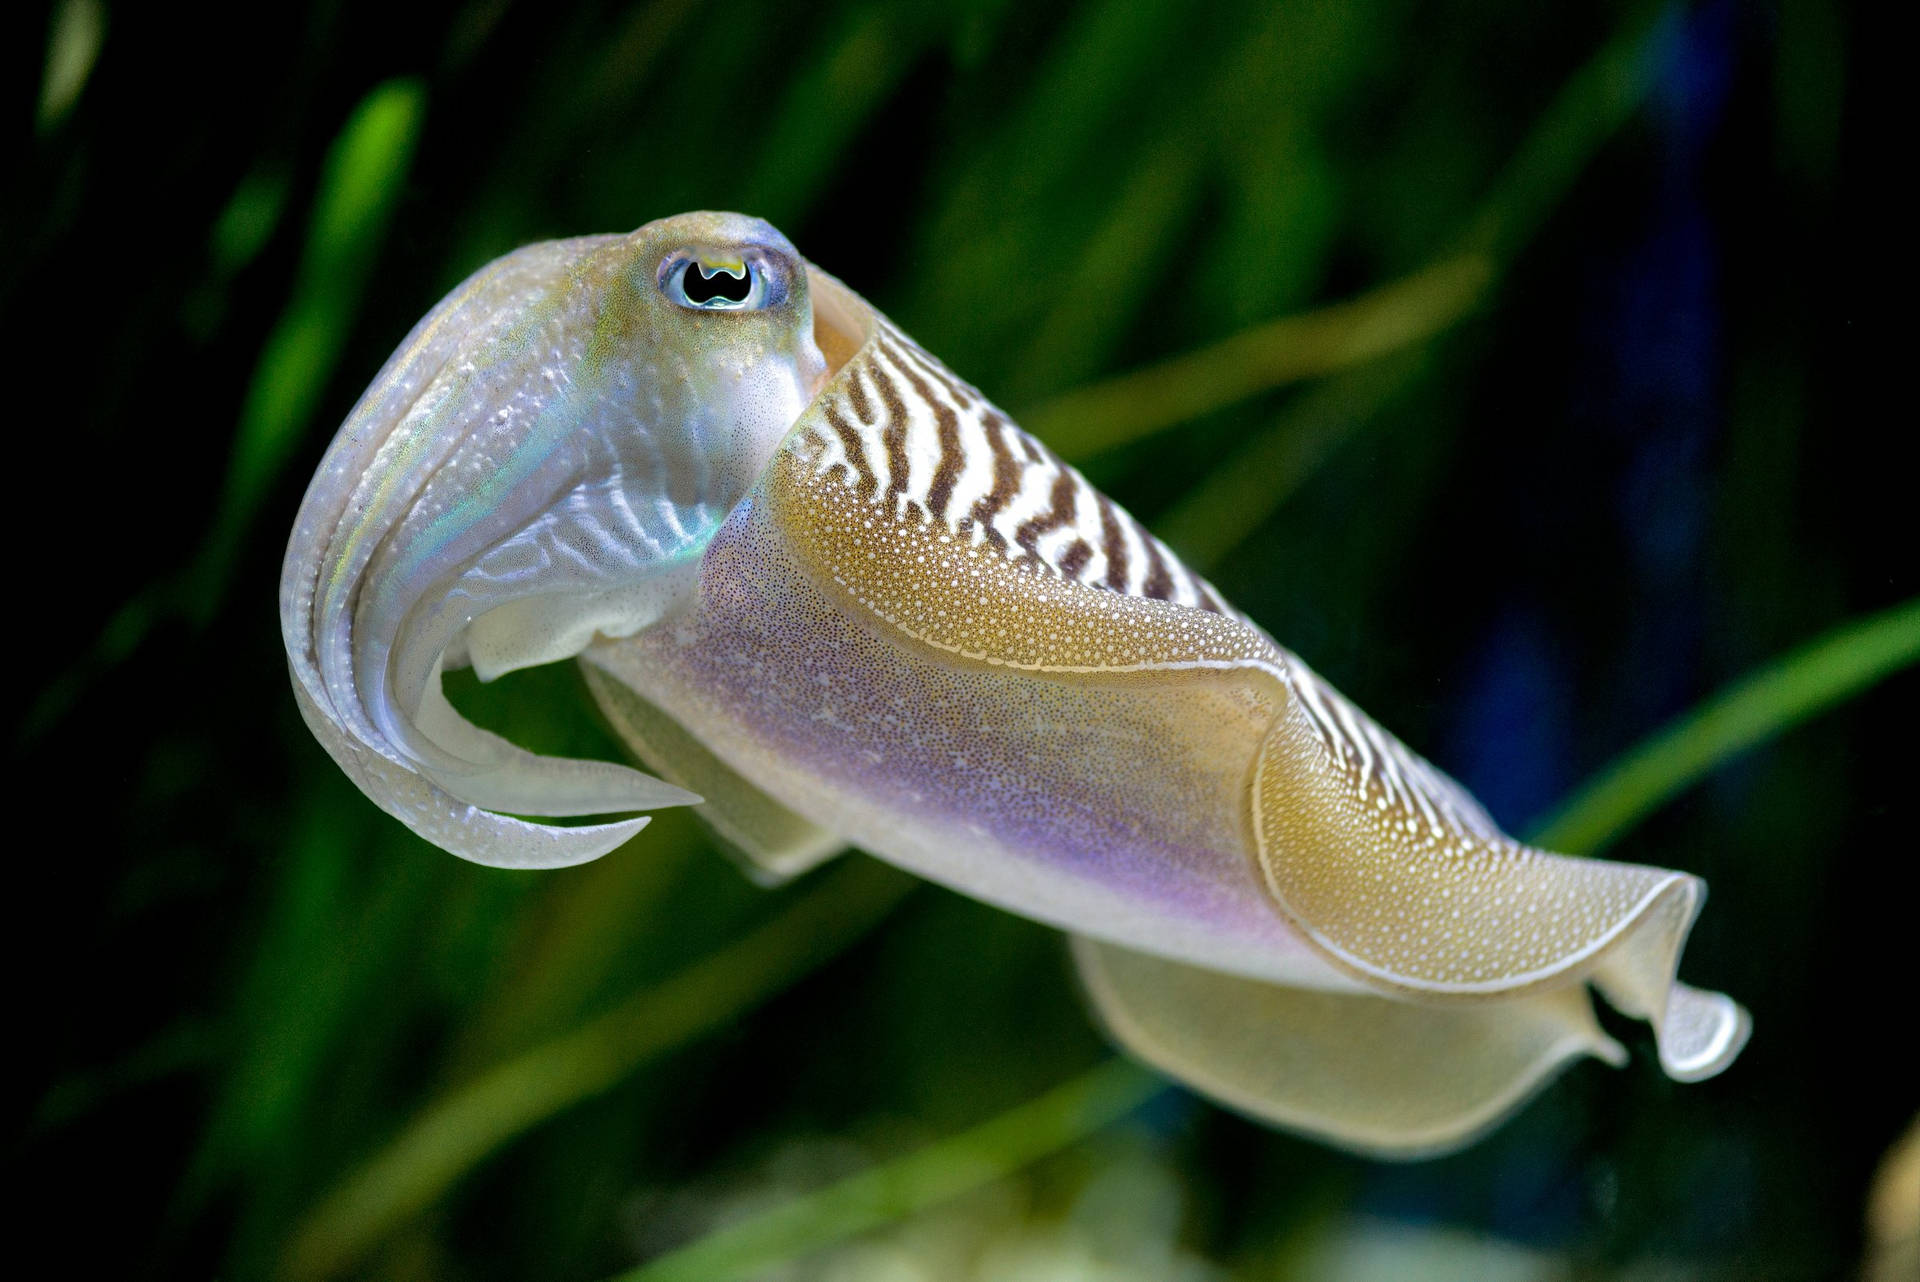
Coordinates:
(1091, 804)
(823, 581)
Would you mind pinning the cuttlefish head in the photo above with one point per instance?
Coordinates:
(540, 464)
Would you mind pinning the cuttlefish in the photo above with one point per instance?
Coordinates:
(831, 596)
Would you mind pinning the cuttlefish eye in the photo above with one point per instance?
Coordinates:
(716, 284)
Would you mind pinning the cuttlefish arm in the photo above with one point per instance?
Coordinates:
(771, 842)
(539, 464)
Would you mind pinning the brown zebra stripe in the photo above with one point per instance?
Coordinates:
(911, 437)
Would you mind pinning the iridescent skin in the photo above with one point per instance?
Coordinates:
(542, 461)
(820, 581)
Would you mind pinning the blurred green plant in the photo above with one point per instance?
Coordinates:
(1821, 673)
(360, 183)
(1253, 482)
(454, 1132)
(894, 1190)
(1287, 350)
(73, 42)
(1386, 319)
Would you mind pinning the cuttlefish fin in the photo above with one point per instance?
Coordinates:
(772, 843)
(1373, 1074)
(1372, 855)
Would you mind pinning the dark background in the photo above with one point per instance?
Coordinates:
(1662, 451)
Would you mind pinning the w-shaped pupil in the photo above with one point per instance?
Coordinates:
(703, 286)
